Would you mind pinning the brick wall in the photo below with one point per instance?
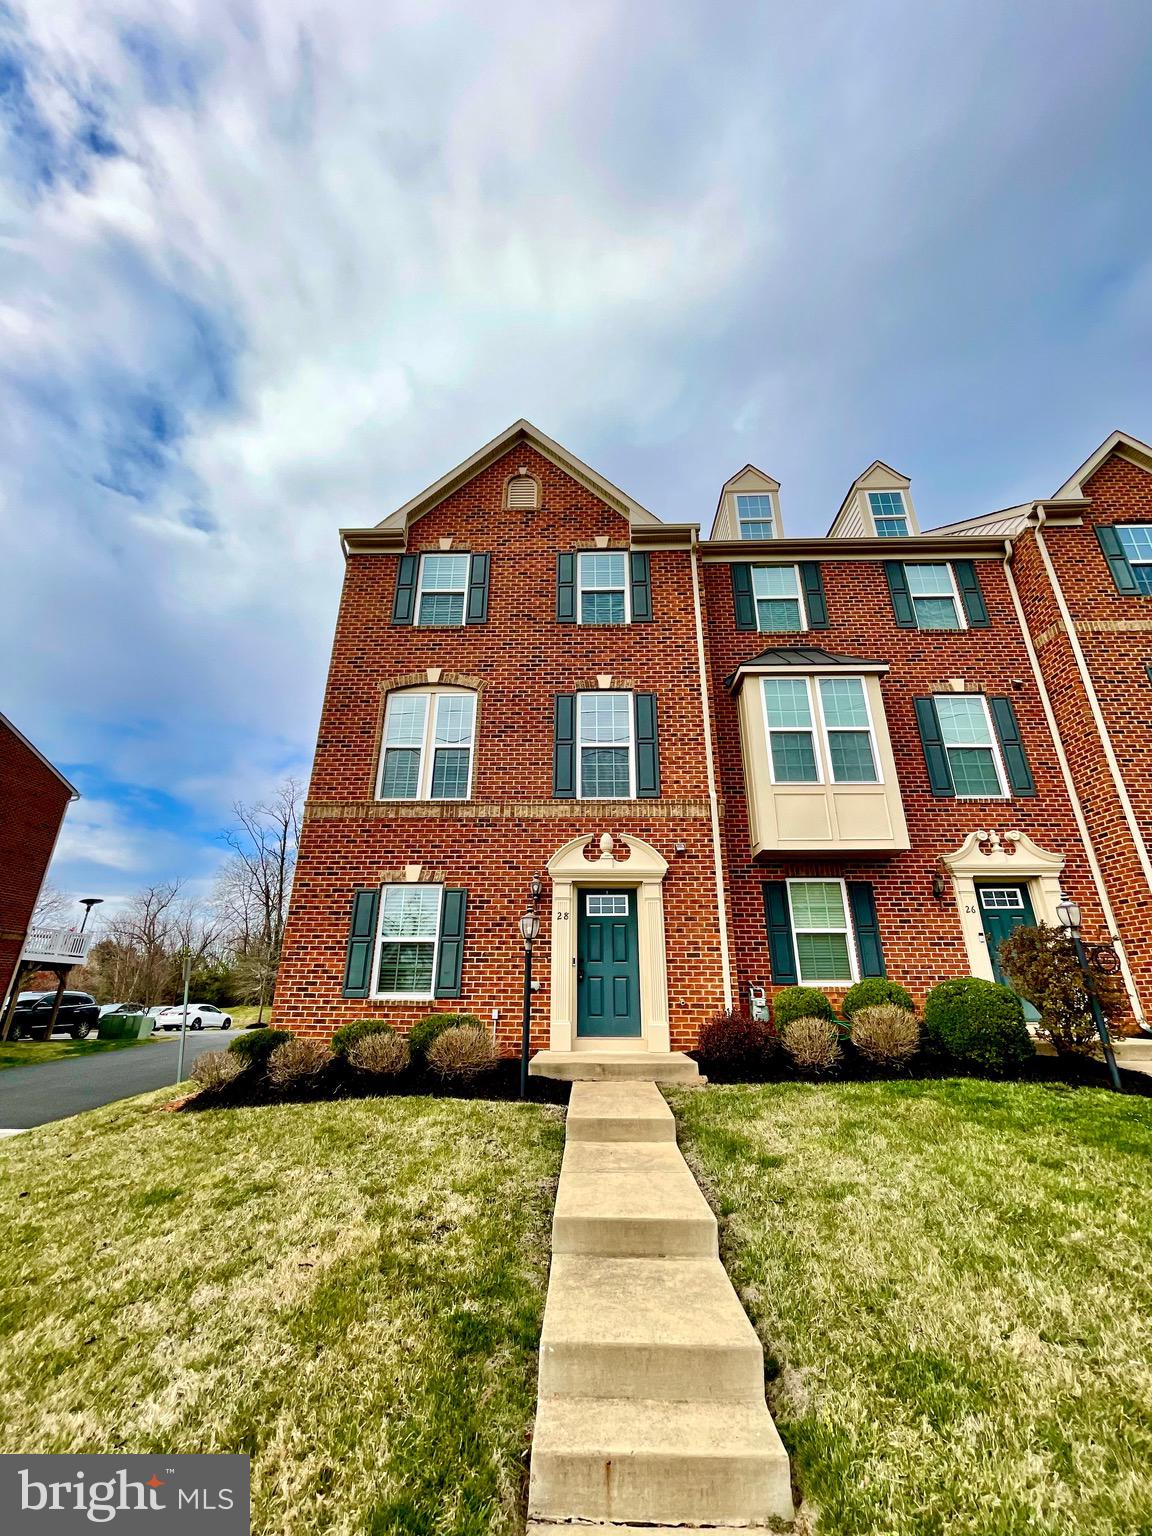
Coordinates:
(32, 805)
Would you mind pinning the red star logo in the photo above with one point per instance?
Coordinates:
(154, 1482)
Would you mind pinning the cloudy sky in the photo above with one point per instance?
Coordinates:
(268, 267)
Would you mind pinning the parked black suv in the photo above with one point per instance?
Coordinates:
(79, 1014)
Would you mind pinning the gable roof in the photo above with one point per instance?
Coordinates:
(801, 658)
(519, 432)
(1123, 443)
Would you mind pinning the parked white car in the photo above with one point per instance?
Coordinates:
(200, 1016)
(121, 1008)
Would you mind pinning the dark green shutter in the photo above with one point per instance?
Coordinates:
(939, 773)
(862, 900)
(901, 597)
(1122, 573)
(781, 949)
(641, 572)
(647, 748)
(566, 589)
(813, 584)
(970, 594)
(742, 600)
(1015, 760)
(476, 611)
(404, 598)
(564, 748)
(361, 942)
(450, 960)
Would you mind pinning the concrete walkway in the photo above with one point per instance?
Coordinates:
(651, 1403)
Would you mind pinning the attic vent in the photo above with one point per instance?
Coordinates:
(523, 491)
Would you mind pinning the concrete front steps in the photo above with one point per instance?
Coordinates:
(651, 1404)
(615, 1066)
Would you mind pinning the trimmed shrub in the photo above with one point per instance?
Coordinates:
(462, 1052)
(885, 1033)
(873, 991)
(215, 1070)
(383, 1054)
(298, 1061)
(800, 1003)
(348, 1034)
(733, 1038)
(256, 1045)
(425, 1030)
(813, 1043)
(978, 1023)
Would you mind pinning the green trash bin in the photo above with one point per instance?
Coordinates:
(125, 1026)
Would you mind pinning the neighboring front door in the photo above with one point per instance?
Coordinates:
(607, 964)
(1003, 909)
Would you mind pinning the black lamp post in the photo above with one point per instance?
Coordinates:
(1068, 912)
(88, 902)
(529, 932)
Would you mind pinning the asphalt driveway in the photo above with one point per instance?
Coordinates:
(35, 1095)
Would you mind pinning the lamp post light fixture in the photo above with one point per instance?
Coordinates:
(1068, 911)
(529, 932)
(88, 902)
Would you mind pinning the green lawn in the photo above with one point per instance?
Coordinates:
(29, 1053)
(349, 1292)
(953, 1283)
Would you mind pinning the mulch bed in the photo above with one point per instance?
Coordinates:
(340, 1081)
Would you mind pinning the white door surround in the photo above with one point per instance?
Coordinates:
(1011, 857)
(642, 871)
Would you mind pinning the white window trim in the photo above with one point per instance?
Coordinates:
(443, 591)
(959, 606)
(741, 519)
(849, 933)
(427, 748)
(582, 587)
(401, 997)
(1131, 559)
(819, 729)
(765, 565)
(893, 490)
(581, 743)
(993, 745)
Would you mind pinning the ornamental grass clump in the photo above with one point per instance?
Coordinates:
(813, 1043)
(886, 1034)
(382, 1054)
(733, 1038)
(215, 1070)
(463, 1052)
(298, 1063)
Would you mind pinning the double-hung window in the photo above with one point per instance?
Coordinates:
(970, 745)
(427, 749)
(935, 600)
(819, 731)
(889, 514)
(409, 935)
(1136, 542)
(825, 952)
(603, 579)
(442, 590)
(754, 514)
(605, 747)
(776, 591)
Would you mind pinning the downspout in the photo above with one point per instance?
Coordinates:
(713, 802)
(1094, 703)
(1070, 783)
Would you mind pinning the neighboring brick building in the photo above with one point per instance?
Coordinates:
(33, 799)
(814, 759)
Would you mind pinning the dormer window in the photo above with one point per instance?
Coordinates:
(755, 517)
(889, 514)
(523, 492)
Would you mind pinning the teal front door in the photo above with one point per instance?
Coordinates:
(1004, 908)
(607, 965)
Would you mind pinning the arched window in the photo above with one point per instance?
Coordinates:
(427, 748)
(523, 491)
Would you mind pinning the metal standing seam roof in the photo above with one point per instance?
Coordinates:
(802, 656)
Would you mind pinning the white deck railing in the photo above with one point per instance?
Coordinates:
(57, 946)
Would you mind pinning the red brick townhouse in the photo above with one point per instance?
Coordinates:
(733, 763)
(33, 799)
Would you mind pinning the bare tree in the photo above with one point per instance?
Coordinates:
(53, 907)
(256, 882)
